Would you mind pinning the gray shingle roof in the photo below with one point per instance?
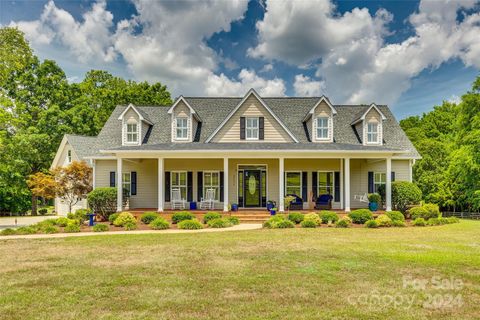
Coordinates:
(82, 145)
(289, 110)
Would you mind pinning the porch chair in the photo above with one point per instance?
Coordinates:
(324, 202)
(296, 204)
(209, 200)
(177, 201)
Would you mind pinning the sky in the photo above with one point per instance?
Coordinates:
(410, 55)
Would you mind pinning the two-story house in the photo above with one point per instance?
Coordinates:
(249, 150)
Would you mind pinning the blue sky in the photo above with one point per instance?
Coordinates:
(408, 54)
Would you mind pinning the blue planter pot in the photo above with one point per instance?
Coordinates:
(234, 207)
(373, 206)
(270, 206)
(273, 212)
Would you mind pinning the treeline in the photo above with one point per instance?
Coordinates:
(38, 106)
(448, 138)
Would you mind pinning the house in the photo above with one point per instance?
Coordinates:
(249, 150)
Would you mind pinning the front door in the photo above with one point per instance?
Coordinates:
(252, 188)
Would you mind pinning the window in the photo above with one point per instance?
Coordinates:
(179, 181)
(132, 132)
(127, 183)
(325, 183)
(69, 156)
(251, 128)
(211, 180)
(379, 179)
(372, 132)
(293, 183)
(322, 128)
(182, 128)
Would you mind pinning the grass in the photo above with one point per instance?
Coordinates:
(262, 274)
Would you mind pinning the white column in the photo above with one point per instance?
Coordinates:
(225, 184)
(93, 174)
(341, 183)
(119, 185)
(161, 185)
(410, 168)
(388, 187)
(281, 184)
(347, 184)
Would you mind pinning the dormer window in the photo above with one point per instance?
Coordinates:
(252, 128)
(182, 128)
(372, 132)
(132, 131)
(323, 128)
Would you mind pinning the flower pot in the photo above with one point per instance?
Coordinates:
(272, 212)
(373, 206)
(234, 207)
(270, 206)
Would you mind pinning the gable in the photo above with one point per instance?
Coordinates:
(252, 107)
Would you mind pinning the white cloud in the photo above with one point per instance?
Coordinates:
(266, 68)
(306, 87)
(221, 85)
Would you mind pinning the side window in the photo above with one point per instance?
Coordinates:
(379, 179)
(69, 156)
(293, 183)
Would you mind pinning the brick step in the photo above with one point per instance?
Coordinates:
(247, 216)
(253, 220)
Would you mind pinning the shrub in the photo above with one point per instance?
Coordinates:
(148, 217)
(419, 222)
(80, 215)
(42, 225)
(26, 230)
(395, 215)
(192, 224)
(398, 223)
(309, 223)
(182, 215)
(51, 229)
(453, 220)
(295, 217)
(72, 227)
(125, 218)
(62, 221)
(159, 224)
(272, 220)
(371, 224)
(328, 216)
(219, 223)
(130, 226)
(405, 193)
(43, 211)
(211, 216)
(99, 227)
(103, 201)
(234, 220)
(284, 224)
(113, 217)
(360, 216)
(374, 197)
(278, 222)
(313, 216)
(8, 232)
(343, 223)
(384, 221)
(418, 212)
(432, 209)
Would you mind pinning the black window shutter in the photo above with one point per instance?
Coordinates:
(133, 185)
(304, 186)
(314, 185)
(393, 176)
(242, 128)
(112, 178)
(167, 186)
(371, 184)
(199, 185)
(337, 186)
(221, 185)
(261, 128)
(189, 186)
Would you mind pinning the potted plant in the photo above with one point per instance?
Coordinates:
(273, 211)
(373, 200)
(271, 204)
(234, 207)
(287, 201)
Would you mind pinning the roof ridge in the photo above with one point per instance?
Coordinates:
(79, 135)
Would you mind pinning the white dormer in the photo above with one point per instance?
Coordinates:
(184, 121)
(132, 126)
(319, 121)
(372, 125)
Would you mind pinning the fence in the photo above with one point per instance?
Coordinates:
(462, 215)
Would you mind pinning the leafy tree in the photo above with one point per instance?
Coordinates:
(42, 185)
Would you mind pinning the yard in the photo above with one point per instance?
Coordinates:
(354, 273)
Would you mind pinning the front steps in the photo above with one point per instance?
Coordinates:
(250, 217)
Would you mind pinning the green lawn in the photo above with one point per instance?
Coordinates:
(264, 274)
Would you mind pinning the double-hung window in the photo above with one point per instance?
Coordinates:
(182, 128)
(211, 180)
(322, 128)
(379, 179)
(179, 181)
(132, 132)
(127, 183)
(293, 183)
(69, 156)
(325, 183)
(372, 132)
(252, 128)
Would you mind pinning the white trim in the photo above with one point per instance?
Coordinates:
(257, 152)
(379, 172)
(388, 186)
(281, 191)
(182, 99)
(252, 128)
(250, 92)
(225, 185)
(179, 186)
(312, 111)
(125, 133)
(329, 124)
(347, 184)
(131, 106)
(333, 182)
(217, 186)
(342, 196)
(373, 105)
(252, 164)
(119, 185)
(161, 185)
(176, 127)
(94, 175)
(301, 180)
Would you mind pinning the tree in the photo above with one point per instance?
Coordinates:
(42, 185)
(73, 182)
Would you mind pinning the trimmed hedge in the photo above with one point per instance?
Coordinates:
(113, 217)
(159, 224)
(51, 229)
(193, 224)
(395, 215)
(405, 193)
(103, 201)
(371, 224)
(360, 216)
(296, 217)
(181, 216)
(99, 227)
(130, 226)
(219, 223)
(384, 221)
(343, 223)
(72, 227)
(309, 223)
(398, 223)
(419, 222)
(328, 216)
(427, 211)
(234, 220)
(278, 222)
(148, 217)
(124, 218)
(313, 216)
(211, 216)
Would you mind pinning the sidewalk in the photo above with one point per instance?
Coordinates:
(240, 227)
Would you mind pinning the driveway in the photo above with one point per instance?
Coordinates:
(11, 222)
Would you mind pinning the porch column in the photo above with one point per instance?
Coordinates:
(347, 184)
(93, 174)
(225, 184)
(341, 183)
(388, 187)
(160, 184)
(119, 185)
(281, 183)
